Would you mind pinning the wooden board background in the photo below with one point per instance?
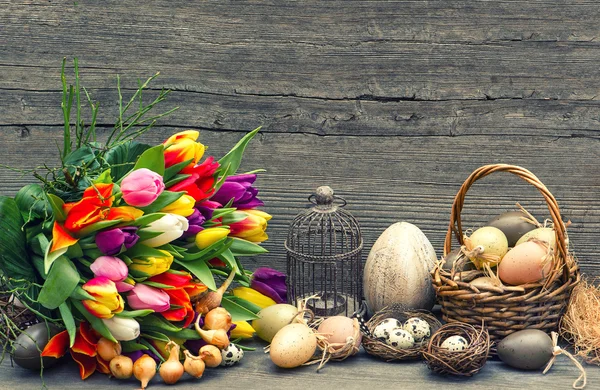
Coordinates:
(392, 103)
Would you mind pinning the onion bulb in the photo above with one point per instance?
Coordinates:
(171, 370)
(217, 318)
(144, 369)
(108, 349)
(211, 355)
(193, 365)
(121, 367)
(217, 337)
(212, 299)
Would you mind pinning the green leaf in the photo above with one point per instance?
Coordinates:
(134, 313)
(69, 321)
(163, 200)
(132, 346)
(94, 321)
(244, 303)
(60, 283)
(176, 179)
(234, 217)
(103, 178)
(228, 258)
(152, 159)
(146, 219)
(50, 257)
(141, 250)
(33, 203)
(14, 260)
(158, 285)
(39, 244)
(81, 157)
(80, 294)
(121, 158)
(175, 169)
(199, 269)
(74, 251)
(97, 226)
(157, 323)
(230, 163)
(147, 234)
(223, 211)
(186, 334)
(242, 247)
(206, 252)
(156, 336)
(238, 312)
(57, 207)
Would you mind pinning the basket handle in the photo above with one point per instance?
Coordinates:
(457, 205)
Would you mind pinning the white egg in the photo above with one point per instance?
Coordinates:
(385, 327)
(455, 343)
(418, 328)
(399, 338)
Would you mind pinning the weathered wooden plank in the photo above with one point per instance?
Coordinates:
(365, 117)
(387, 50)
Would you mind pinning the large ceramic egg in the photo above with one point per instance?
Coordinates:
(26, 353)
(400, 339)
(418, 328)
(385, 327)
(455, 343)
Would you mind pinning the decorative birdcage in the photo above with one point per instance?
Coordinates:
(324, 256)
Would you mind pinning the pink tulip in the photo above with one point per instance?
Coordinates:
(146, 297)
(141, 187)
(112, 267)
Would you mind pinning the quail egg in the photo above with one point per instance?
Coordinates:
(399, 338)
(418, 328)
(385, 327)
(455, 343)
(231, 355)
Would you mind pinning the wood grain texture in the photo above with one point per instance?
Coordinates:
(392, 103)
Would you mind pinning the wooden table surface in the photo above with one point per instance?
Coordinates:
(392, 103)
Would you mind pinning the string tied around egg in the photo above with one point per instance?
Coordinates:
(338, 351)
(557, 350)
(483, 261)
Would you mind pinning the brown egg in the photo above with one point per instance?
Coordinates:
(524, 264)
(337, 329)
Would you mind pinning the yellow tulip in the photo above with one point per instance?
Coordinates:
(148, 266)
(183, 206)
(207, 237)
(253, 228)
(242, 330)
(253, 296)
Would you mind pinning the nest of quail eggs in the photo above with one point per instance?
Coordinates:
(395, 333)
(458, 349)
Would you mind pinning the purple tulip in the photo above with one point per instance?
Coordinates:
(271, 283)
(110, 242)
(195, 222)
(239, 188)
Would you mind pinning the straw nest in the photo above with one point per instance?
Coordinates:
(378, 347)
(467, 362)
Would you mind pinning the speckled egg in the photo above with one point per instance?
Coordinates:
(492, 240)
(399, 338)
(455, 343)
(293, 346)
(418, 328)
(385, 327)
(231, 355)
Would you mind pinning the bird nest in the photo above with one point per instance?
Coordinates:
(467, 362)
(378, 347)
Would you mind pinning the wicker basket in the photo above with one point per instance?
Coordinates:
(507, 309)
(380, 349)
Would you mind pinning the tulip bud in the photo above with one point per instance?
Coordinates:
(107, 299)
(181, 147)
(146, 297)
(111, 242)
(183, 206)
(112, 267)
(253, 296)
(123, 329)
(141, 187)
(253, 228)
(242, 330)
(209, 236)
(171, 227)
(147, 266)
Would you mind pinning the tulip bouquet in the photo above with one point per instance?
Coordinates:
(122, 244)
